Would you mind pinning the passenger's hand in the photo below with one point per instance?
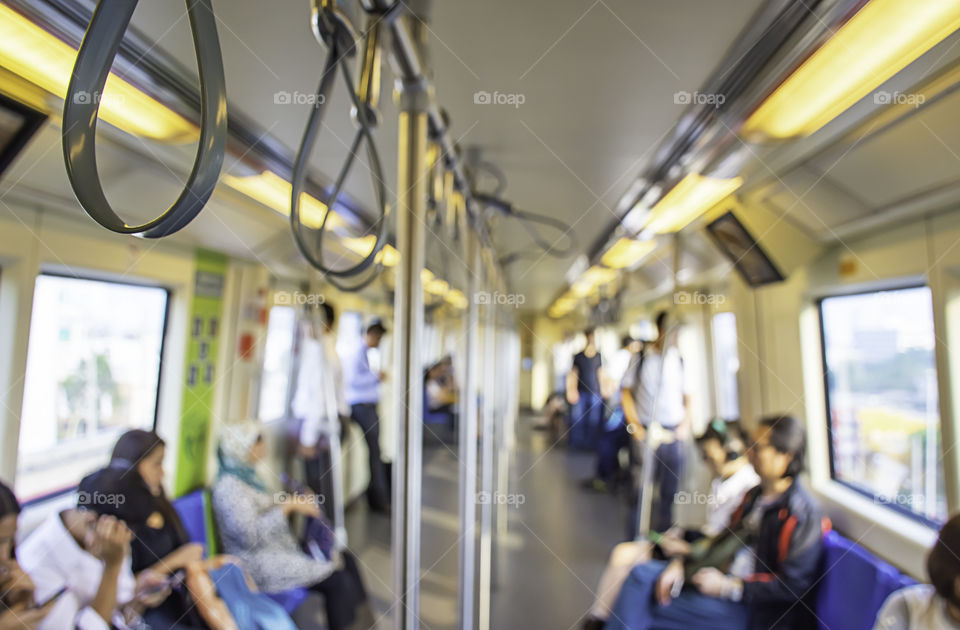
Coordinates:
(302, 504)
(673, 546)
(638, 432)
(383, 375)
(307, 452)
(151, 588)
(191, 552)
(15, 585)
(714, 583)
(111, 540)
(23, 617)
(665, 583)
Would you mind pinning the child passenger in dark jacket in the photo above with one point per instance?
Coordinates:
(759, 574)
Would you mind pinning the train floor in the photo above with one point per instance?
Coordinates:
(549, 558)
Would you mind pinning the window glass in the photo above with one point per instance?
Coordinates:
(93, 372)
(882, 398)
(277, 363)
(727, 364)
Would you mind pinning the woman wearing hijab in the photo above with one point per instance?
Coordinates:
(131, 489)
(254, 526)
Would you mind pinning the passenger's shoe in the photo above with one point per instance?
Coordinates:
(592, 623)
(596, 485)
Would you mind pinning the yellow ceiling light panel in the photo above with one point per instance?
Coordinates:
(597, 276)
(360, 245)
(883, 38)
(274, 192)
(34, 54)
(694, 195)
(388, 256)
(436, 286)
(19, 89)
(456, 298)
(627, 252)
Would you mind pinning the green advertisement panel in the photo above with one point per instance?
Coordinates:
(200, 374)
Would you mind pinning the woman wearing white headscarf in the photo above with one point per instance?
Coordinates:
(253, 525)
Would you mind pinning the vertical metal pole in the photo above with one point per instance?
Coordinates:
(408, 327)
(468, 441)
(486, 453)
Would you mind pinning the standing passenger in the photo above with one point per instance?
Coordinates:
(319, 402)
(363, 396)
(614, 436)
(583, 392)
(654, 394)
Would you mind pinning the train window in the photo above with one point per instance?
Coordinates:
(277, 363)
(882, 401)
(93, 371)
(727, 365)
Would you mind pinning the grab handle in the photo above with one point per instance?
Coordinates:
(81, 109)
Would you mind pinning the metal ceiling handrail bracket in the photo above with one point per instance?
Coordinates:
(81, 113)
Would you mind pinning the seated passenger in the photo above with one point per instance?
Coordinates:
(724, 451)
(933, 606)
(758, 573)
(18, 609)
(253, 526)
(88, 558)
(131, 489)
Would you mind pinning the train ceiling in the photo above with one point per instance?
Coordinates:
(598, 85)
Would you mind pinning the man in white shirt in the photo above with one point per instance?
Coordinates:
(654, 394)
(87, 556)
(319, 401)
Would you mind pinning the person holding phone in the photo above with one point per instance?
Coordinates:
(254, 525)
(80, 564)
(181, 579)
(759, 573)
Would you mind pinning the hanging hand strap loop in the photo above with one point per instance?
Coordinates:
(82, 104)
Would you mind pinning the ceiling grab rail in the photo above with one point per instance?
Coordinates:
(333, 29)
(81, 113)
(526, 218)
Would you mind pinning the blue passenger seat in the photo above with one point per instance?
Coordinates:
(854, 586)
(196, 514)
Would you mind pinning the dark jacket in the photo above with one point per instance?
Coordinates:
(788, 548)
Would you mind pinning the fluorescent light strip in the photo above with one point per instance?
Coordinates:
(883, 38)
(44, 60)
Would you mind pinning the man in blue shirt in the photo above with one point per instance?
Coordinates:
(362, 387)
